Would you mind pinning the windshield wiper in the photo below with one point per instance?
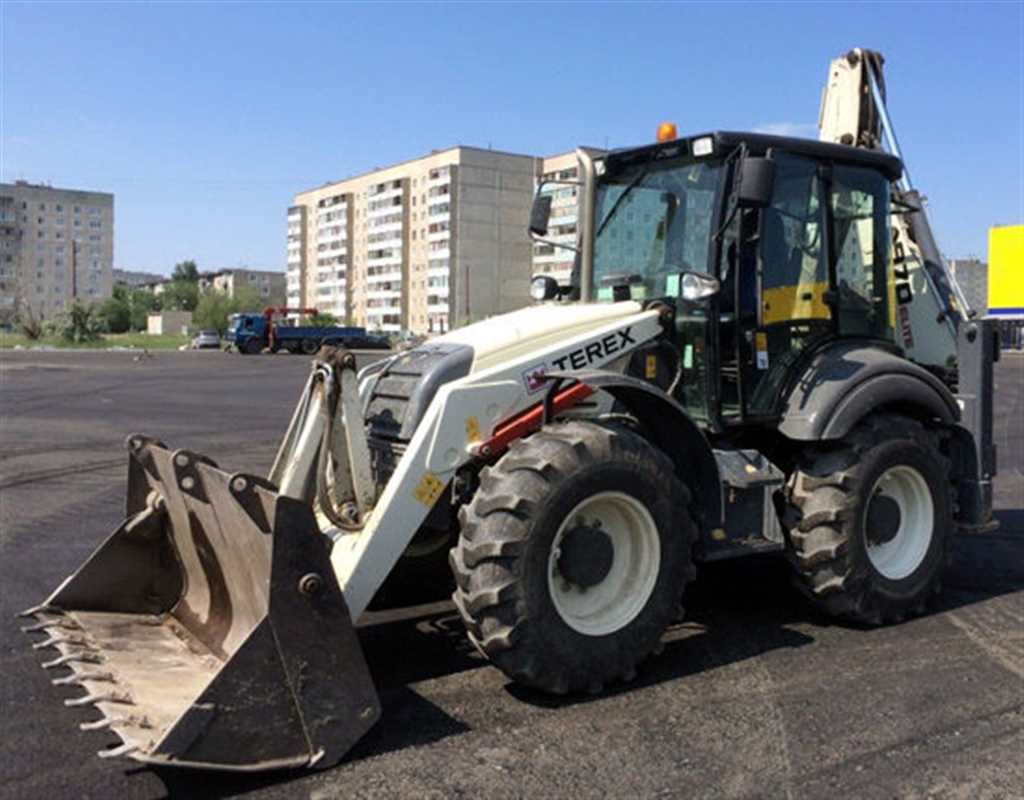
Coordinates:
(618, 202)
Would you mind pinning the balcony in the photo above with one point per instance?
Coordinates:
(391, 260)
(438, 176)
(385, 294)
(391, 276)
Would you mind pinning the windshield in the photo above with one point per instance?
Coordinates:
(653, 222)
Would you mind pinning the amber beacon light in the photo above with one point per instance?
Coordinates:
(667, 132)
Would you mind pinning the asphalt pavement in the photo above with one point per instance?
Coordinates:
(755, 694)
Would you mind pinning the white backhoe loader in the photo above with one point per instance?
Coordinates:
(761, 350)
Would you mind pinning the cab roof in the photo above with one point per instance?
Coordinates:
(758, 144)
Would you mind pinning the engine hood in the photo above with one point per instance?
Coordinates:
(507, 336)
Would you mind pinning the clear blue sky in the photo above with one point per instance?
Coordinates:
(205, 119)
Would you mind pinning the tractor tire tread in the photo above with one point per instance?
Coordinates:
(822, 499)
(495, 529)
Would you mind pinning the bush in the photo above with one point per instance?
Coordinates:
(80, 323)
(322, 320)
(31, 325)
(116, 312)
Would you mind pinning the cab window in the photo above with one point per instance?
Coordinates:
(859, 204)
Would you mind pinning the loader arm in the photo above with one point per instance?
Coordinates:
(454, 429)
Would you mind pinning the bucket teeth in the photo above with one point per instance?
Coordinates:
(42, 608)
(79, 678)
(56, 639)
(105, 697)
(131, 721)
(68, 658)
(120, 750)
(98, 725)
(66, 624)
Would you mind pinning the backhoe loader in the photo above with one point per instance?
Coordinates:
(760, 350)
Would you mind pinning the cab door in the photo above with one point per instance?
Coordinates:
(788, 272)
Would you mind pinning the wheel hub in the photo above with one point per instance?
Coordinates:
(884, 519)
(587, 556)
(604, 562)
(899, 522)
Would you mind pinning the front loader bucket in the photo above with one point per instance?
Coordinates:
(209, 629)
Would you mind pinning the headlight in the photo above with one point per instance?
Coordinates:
(695, 286)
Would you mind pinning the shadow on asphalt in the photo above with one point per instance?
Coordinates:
(734, 611)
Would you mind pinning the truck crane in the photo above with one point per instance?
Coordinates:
(252, 333)
(760, 352)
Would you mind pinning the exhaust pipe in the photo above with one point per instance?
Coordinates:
(209, 629)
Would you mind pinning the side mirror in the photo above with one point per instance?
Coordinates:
(544, 287)
(755, 182)
(693, 286)
(540, 213)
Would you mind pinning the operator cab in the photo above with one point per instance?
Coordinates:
(768, 247)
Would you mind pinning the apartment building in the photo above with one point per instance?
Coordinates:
(270, 285)
(295, 275)
(56, 245)
(135, 279)
(424, 245)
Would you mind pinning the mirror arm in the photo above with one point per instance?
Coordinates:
(563, 245)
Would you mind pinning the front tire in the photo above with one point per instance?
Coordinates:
(873, 515)
(573, 556)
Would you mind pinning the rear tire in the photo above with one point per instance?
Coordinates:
(573, 556)
(310, 346)
(873, 517)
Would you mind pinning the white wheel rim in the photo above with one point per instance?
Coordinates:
(901, 555)
(616, 600)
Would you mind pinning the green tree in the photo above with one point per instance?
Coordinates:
(322, 320)
(180, 295)
(186, 271)
(247, 300)
(214, 308)
(116, 312)
(141, 303)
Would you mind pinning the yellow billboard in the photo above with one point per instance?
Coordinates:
(1006, 272)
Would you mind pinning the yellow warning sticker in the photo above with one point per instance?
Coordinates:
(428, 489)
(651, 367)
(761, 349)
(472, 429)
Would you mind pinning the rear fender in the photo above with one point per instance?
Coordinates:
(846, 382)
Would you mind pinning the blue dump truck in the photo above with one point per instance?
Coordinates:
(253, 333)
